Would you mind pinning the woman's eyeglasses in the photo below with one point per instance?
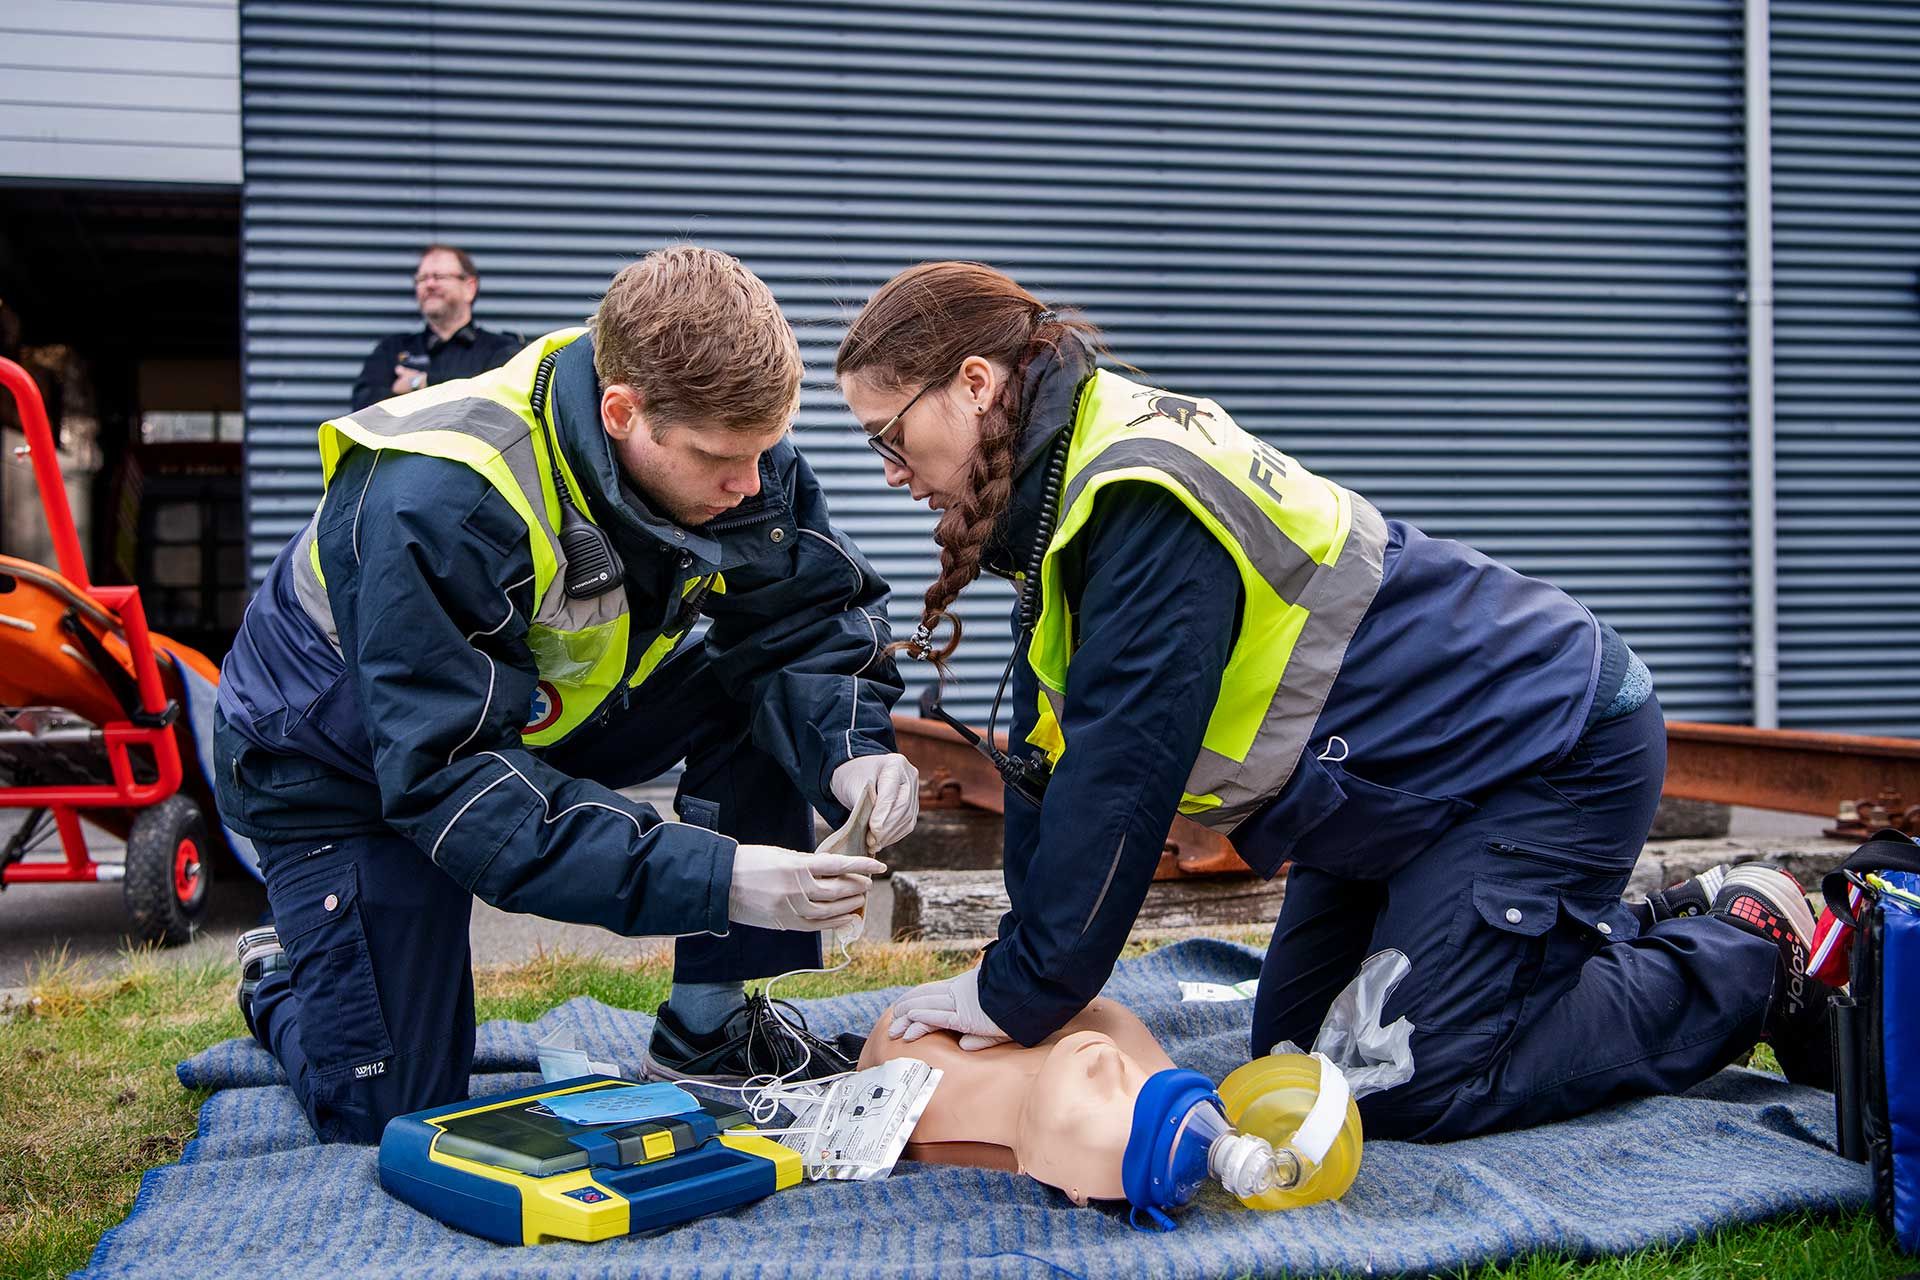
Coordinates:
(889, 449)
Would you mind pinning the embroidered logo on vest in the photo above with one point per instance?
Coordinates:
(1180, 409)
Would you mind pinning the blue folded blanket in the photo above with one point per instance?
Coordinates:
(254, 1195)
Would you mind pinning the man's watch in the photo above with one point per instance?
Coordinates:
(419, 381)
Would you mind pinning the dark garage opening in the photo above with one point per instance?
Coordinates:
(124, 303)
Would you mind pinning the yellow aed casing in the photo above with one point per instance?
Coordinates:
(508, 1169)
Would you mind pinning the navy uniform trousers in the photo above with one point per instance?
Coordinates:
(1534, 994)
(375, 1017)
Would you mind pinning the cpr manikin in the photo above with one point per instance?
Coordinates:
(1099, 1111)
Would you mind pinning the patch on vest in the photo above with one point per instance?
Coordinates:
(545, 709)
(1177, 408)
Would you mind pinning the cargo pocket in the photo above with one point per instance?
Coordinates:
(1289, 826)
(319, 922)
(1589, 890)
(1568, 903)
(1602, 917)
(255, 786)
(283, 776)
(1496, 956)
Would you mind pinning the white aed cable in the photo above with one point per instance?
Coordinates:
(764, 1093)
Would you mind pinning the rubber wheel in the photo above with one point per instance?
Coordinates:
(169, 872)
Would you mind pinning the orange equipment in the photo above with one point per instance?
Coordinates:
(96, 715)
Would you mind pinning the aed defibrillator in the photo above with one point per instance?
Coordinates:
(509, 1169)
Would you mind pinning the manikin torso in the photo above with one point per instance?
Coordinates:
(1059, 1111)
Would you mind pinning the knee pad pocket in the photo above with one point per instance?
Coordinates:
(319, 922)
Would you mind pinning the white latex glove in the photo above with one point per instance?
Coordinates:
(896, 795)
(777, 888)
(951, 1004)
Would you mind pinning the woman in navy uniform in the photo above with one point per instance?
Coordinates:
(1460, 762)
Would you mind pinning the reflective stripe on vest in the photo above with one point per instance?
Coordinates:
(486, 422)
(1309, 555)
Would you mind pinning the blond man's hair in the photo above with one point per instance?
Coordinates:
(702, 340)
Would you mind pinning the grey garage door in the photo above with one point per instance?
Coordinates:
(1480, 261)
(1846, 120)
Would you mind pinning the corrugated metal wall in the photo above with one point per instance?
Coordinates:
(1846, 129)
(1481, 261)
(117, 91)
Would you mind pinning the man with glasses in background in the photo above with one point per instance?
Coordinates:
(448, 346)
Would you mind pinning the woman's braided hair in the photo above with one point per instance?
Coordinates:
(921, 326)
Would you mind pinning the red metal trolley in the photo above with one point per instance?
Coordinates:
(91, 720)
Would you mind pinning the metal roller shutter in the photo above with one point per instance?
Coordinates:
(1846, 167)
(1480, 261)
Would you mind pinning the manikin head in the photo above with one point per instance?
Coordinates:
(445, 283)
(1100, 1112)
(1060, 1111)
(1073, 1130)
(699, 377)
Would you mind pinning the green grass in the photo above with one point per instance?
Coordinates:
(88, 1102)
(1797, 1247)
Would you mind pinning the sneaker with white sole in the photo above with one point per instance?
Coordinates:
(260, 953)
(1769, 903)
(757, 1041)
(1693, 897)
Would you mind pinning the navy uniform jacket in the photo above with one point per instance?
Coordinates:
(1463, 676)
(469, 351)
(431, 583)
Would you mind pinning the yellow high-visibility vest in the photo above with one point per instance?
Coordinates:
(1309, 554)
(487, 422)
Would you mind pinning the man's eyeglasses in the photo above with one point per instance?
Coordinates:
(427, 277)
(886, 448)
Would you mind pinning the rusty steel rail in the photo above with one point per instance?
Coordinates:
(954, 775)
(1787, 768)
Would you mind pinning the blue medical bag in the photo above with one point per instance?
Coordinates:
(1877, 1025)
